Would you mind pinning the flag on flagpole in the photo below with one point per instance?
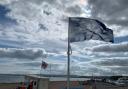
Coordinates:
(44, 65)
(81, 29)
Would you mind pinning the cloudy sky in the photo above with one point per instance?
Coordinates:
(36, 30)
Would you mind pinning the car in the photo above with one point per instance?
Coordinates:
(122, 82)
(110, 81)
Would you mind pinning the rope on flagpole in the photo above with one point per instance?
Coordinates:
(70, 50)
(40, 70)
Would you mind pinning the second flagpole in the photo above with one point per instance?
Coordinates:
(68, 57)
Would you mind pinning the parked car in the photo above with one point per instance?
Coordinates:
(110, 81)
(122, 82)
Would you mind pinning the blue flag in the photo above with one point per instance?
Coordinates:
(81, 29)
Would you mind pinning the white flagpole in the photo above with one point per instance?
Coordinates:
(68, 57)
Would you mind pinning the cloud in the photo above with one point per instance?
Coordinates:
(120, 70)
(22, 53)
(75, 9)
(122, 47)
(100, 58)
(48, 24)
(112, 12)
(4, 2)
(112, 62)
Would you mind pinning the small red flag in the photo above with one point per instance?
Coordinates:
(44, 65)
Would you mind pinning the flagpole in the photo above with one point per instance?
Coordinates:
(40, 72)
(68, 61)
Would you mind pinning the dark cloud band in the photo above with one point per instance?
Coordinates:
(22, 53)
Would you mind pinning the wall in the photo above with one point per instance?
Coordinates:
(8, 85)
(62, 85)
(43, 84)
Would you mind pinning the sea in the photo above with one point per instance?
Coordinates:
(11, 78)
(17, 78)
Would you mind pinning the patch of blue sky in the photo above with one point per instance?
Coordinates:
(121, 39)
(4, 19)
(4, 60)
(10, 44)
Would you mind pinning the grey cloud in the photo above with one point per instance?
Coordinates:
(41, 1)
(97, 71)
(43, 27)
(21, 53)
(105, 70)
(35, 1)
(51, 1)
(31, 64)
(108, 7)
(116, 66)
(76, 10)
(118, 21)
(66, 5)
(113, 10)
(123, 47)
(112, 62)
(120, 70)
(47, 12)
